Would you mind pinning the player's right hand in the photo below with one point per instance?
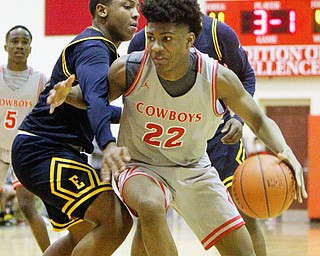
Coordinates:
(113, 161)
(232, 130)
(288, 157)
(57, 95)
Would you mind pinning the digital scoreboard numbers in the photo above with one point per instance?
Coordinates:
(270, 22)
(261, 22)
(316, 15)
(282, 38)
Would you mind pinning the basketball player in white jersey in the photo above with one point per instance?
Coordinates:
(20, 86)
(171, 109)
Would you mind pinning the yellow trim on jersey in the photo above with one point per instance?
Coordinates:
(215, 39)
(241, 156)
(75, 206)
(57, 227)
(64, 61)
(228, 181)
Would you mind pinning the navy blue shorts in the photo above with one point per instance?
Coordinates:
(58, 174)
(225, 158)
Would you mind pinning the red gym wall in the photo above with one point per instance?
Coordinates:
(66, 17)
(314, 167)
(70, 17)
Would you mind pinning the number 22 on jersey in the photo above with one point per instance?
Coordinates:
(154, 136)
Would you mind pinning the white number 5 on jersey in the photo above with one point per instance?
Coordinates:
(10, 120)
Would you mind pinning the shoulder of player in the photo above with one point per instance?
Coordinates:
(226, 81)
(37, 73)
(128, 59)
(226, 34)
(86, 49)
(119, 65)
(139, 37)
(90, 39)
(137, 43)
(91, 44)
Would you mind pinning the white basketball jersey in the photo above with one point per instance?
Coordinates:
(169, 131)
(15, 105)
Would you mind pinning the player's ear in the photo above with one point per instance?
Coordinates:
(5, 47)
(101, 10)
(191, 38)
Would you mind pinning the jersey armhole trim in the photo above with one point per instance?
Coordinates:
(215, 100)
(199, 60)
(138, 75)
(64, 61)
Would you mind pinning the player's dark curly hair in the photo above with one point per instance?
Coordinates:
(186, 12)
(93, 4)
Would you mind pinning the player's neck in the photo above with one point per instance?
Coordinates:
(17, 66)
(106, 34)
(175, 73)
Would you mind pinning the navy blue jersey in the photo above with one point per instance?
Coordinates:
(220, 42)
(88, 56)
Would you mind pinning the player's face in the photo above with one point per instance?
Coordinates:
(168, 45)
(122, 20)
(18, 46)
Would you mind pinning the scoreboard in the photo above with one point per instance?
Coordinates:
(282, 38)
(270, 22)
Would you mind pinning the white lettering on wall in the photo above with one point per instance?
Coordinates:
(218, 7)
(315, 4)
(316, 38)
(268, 5)
(285, 60)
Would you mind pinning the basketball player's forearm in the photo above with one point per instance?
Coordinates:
(271, 135)
(75, 98)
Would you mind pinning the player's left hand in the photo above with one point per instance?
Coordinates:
(57, 95)
(233, 131)
(113, 161)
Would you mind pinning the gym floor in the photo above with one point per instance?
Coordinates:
(292, 234)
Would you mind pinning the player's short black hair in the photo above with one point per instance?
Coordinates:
(15, 27)
(186, 12)
(93, 4)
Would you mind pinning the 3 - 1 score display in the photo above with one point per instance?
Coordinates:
(262, 22)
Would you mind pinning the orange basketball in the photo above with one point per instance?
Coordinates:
(263, 186)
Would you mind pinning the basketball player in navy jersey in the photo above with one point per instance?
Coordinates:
(225, 148)
(171, 109)
(48, 152)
